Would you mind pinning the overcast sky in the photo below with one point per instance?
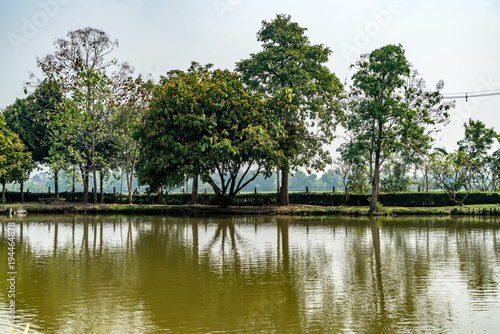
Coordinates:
(454, 40)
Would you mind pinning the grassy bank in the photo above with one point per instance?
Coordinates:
(199, 210)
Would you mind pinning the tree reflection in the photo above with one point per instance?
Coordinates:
(377, 272)
(226, 234)
(280, 274)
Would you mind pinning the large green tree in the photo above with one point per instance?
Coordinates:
(207, 124)
(477, 142)
(451, 171)
(288, 61)
(32, 118)
(390, 110)
(15, 160)
(135, 95)
(88, 78)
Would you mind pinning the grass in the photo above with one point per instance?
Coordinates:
(194, 210)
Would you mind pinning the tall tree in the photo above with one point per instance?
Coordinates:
(207, 125)
(388, 113)
(135, 95)
(477, 141)
(79, 66)
(289, 61)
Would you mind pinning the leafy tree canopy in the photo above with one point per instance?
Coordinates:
(289, 61)
(15, 160)
(32, 118)
(390, 110)
(478, 139)
(206, 123)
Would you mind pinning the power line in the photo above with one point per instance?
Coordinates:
(467, 95)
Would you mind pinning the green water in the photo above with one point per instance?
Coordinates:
(109, 274)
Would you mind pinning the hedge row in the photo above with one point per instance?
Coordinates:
(411, 199)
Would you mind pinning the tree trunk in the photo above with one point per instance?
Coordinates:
(130, 197)
(21, 186)
(130, 180)
(73, 188)
(194, 191)
(278, 186)
(160, 195)
(3, 192)
(375, 183)
(346, 196)
(101, 174)
(85, 179)
(56, 183)
(121, 184)
(284, 188)
(94, 172)
(426, 179)
(129, 187)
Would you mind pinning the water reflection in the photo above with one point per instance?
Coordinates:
(83, 274)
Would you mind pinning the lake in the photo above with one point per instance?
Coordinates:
(153, 274)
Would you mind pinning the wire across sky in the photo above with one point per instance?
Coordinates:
(468, 95)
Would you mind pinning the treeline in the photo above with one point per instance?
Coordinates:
(89, 119)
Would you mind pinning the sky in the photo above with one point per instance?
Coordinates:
(454, 40)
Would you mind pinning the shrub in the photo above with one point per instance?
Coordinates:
(409, 199)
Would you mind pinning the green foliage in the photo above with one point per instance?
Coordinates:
(451, 172)
(206, 123)
(290, 64)
(15, 160)
(85, 132)
(476, 144)
(32, 118)
(395, 178)
(478, 139)
(390, 110)
(134, 100)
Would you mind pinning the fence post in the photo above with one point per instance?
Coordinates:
(307, 189)
(333, 190)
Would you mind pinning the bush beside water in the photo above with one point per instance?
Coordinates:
(410, 199)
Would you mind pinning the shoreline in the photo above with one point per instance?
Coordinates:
(210, 210)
